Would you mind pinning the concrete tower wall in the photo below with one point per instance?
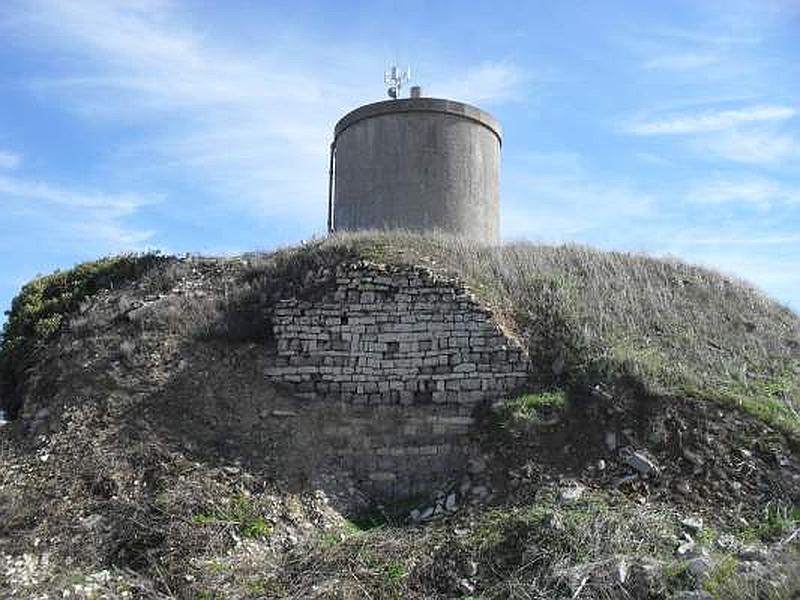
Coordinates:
(422, 164)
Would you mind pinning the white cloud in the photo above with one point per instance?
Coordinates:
(756, 147)
(754, 191)
(85, 216)
(759, 266)
(763, 240)
(653, 159)
(249, 126)
(558, 198)
(252, 127)
(119, 205)
(736, 36)
(487, 83)
(9, 160)
(713, 120)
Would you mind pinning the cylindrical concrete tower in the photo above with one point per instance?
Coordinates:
(422, 164)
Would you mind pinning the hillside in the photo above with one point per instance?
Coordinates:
(584, 424)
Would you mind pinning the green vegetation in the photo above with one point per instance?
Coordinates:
(338, 535)
(240, 513)
(39, 309)
(514, 552)
(721, 577)
(533, 408)
(585, 317)
(778, 519)
(394, 570)
(772, 399)
(706, 536)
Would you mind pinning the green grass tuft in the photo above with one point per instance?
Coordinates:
(721, 577)
(240, 513)
(533, 407)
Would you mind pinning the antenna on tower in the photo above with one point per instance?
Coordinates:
(396, 79)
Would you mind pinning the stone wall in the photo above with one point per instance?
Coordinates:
(405, 359)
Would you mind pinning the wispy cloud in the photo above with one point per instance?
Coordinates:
(9, 160)
(245, 125)
(752, 146)
(84, 216)
(777, 272)
(768, 240)
(758, 192)
(487, 83)
(713, 37)
(557, 198)
(117, 205)
(712, 120)
(653, 159)
(252, 127)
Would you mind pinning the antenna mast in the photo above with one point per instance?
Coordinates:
(396, 79)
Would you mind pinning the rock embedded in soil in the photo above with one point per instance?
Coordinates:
(693, 524)
(753, 554)
(643, 464)
(571, 493)
(700, 567)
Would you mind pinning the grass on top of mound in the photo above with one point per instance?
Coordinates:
(585, 315)
(588, 315)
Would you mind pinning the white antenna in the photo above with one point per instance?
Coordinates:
(395, 79)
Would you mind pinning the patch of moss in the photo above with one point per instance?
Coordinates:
(676, 575)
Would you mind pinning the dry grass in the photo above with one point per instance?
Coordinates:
(601, 547)
(588, 316)
(585, 315)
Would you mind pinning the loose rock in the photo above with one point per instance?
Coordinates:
(642, 463)
(570, 494)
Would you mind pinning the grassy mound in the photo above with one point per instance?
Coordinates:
(585, 315)
(588, 316)
(96, 501)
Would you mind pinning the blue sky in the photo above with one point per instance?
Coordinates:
(670, 127)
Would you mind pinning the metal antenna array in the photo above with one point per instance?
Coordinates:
(395, 79)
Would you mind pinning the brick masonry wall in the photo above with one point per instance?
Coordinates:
(405, 358)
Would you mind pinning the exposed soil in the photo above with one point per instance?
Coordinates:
(708, 458)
